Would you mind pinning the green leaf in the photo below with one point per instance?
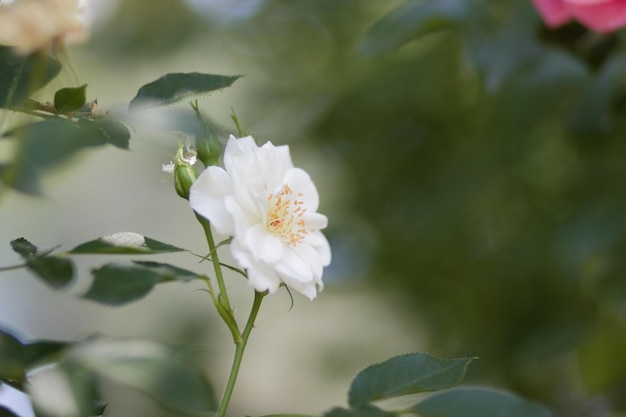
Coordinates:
(24, 247)
(20, 76)
(17, 357)
(151, 368)
(406, 374)
(67, 386)
(53, 270)
(412, 20)
(49, 143)
(478, 402)
(109, 131)
(70, 99)
(124, 243)
(367, 411)
(12, 368)
(120, 283)
(176, 87)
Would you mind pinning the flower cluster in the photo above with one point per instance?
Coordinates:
(269, 207)
(31, 25)
(598, 15)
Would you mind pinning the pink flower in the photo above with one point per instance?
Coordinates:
(597, 15)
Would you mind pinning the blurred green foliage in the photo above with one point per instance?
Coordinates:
(486, 153)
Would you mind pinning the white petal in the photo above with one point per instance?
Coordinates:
(294, 266)
(307, 289)
(206, 197)
(315, 221)
(300, 182)
(320, 244)
(238, 150)
(263, 245)
(311, 257)
(261, 276)
(273, 162)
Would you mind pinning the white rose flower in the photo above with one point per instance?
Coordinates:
(269, 207)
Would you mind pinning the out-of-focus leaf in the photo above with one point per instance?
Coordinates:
(491, 53)
(151, 368)
(120, 283)
(16, 357)
(20, 76)
(406, 374)
(49, 143)
(592, 112)
(367, 411)
(55, 271)
(109, 131)
(65, 389)
(608, 342)
(176, 87)
(24, 247)
(124, 243)
(478, 402)
(412, 20)
(70, 99)
(11, 364)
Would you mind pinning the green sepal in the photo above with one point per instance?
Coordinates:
(178, 87)
(70, 99)
(405, 374)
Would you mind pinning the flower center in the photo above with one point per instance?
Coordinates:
(284, 216)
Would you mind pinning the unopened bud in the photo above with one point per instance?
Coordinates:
(209, 149)
(184, 172)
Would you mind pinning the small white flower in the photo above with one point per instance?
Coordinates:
(270, 209)
(125, 239)
(168, 168)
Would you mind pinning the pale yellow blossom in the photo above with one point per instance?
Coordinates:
(32, 25)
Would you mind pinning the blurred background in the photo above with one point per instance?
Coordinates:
(471, 163)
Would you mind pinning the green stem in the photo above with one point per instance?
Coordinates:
(228, 318)
(223, 295)
(12, 267)
(240, 130)
(239, 350)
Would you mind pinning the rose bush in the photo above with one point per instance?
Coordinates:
(269, 207)
(597, 15)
